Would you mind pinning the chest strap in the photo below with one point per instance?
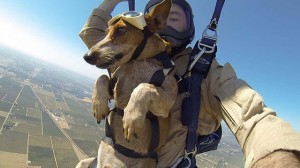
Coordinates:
(129, 152)
(159, 76)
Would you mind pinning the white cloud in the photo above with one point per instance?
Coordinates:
(28, 38)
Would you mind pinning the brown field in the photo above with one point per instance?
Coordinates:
(13, 160)
(3, 113)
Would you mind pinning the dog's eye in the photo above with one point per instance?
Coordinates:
(120, 30)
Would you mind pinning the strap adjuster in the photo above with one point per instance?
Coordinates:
(208, 42)
(192, 153)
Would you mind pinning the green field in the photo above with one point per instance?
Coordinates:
(76, 109)
(27, 98)
(18, 109)
(2, 93)
(31, 129)
(34, 113)
(79, 128)
(65, 155)
(40, 140)
(41, 156)
(12, 92)
(47, 98)
(82, 134)
(1, 120)
(5, 82)
(13, 141)
(90, 148)
(25, 120)
(5, 106)
(49, 127)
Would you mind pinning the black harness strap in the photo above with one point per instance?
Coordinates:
(159, 76)
(202, 56)
(131, 153)
(155, 131)
(140, 48)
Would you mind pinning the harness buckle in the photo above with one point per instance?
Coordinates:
(192, 153)
(208, 42)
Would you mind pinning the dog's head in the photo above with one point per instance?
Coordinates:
(125, 35)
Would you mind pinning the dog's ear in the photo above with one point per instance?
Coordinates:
(157, 18)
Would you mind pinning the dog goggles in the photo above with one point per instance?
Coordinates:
(135, 18)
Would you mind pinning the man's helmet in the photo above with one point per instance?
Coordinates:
(179, 40)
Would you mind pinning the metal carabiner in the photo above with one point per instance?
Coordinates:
(213, 37)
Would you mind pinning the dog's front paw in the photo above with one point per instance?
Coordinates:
(133, 127)
(100, 110)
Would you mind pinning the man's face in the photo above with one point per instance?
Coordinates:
(177, 18)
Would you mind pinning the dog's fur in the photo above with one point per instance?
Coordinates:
(132, 91)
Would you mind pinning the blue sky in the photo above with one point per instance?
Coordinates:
(260, 38)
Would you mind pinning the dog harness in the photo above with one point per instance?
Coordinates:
(157, 79)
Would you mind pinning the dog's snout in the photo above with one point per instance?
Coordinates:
(91, 57)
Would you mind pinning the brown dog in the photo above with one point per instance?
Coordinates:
(132, 91)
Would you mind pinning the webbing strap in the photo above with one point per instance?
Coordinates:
(131, 5)
(128, 152)
(159, 76)
(202, 56)
(216, 15)
(142, 45)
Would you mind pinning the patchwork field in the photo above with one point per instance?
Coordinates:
(12, 92)
(13, 160)
(49, 127)
(64, 152)
(27, 98)
(40, 140)
(47, 98)
(34, 113)
(13, 141)
(29, 128)
(90, 148)
(41, 156)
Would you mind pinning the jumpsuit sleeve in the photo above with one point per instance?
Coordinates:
(94, 29)
(256, 127)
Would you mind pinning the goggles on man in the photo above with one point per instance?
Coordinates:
(134, 18)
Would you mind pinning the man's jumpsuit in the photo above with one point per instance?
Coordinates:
(256, 127)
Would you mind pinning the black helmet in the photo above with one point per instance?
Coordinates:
(179, 40)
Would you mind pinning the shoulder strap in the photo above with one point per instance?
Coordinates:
(202, 55)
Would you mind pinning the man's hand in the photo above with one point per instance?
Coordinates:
(279, 159)
(109, 5)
